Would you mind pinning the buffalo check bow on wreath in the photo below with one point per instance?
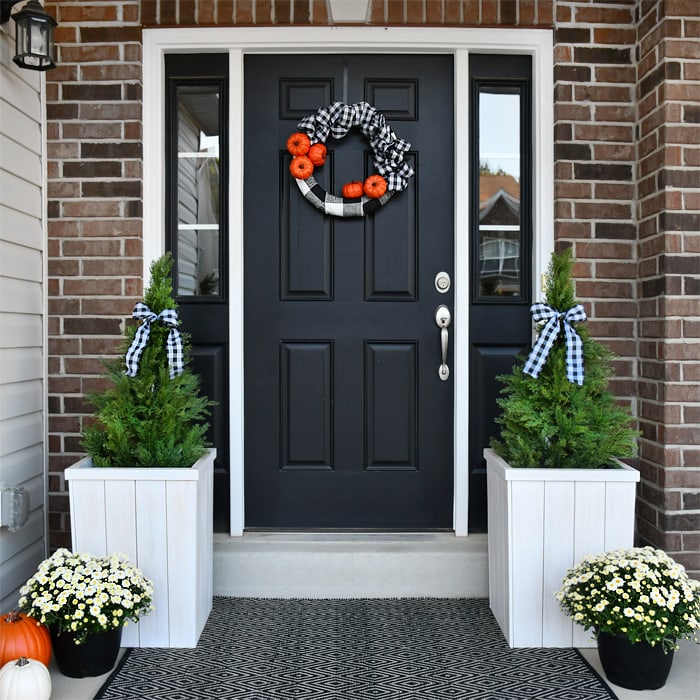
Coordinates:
(307, 147)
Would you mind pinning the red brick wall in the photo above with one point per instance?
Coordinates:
(626, 150)
(668, 275)
(94, 189)
(385, 12)
(595, 152)
(627, 155)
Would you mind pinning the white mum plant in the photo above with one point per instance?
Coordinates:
(83, 593)
(641, 593)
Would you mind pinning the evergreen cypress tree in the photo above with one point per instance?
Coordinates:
(149, 420)
(551, 422)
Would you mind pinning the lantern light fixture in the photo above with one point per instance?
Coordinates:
(34, 42)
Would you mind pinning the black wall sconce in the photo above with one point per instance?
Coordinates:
(34, 45)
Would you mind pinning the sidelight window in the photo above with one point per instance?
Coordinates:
(195, 205)
(198, 191)
(502, 192)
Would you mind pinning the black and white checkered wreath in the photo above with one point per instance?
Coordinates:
(308, 149)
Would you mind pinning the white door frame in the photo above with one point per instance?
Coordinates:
(458, 42)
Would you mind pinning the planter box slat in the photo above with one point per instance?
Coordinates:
(558, 552)
(589, 532)
(119, 526)
(541, 522)
(527, 526)
(151, 504)
(182, 534)
(499, 561)
(88, 519)
(162, 520)
(619, 515)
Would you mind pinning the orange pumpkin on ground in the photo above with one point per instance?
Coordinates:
(352, 190)
(374, 187)
(298, 144)
(301, 167)
(21, 635)
(317, 154)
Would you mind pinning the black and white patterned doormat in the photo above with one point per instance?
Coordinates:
(403, 649)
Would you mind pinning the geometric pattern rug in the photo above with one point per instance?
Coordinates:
(378, 649)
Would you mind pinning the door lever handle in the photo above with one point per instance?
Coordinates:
(443, 318)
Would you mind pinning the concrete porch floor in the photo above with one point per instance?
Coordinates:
(376, 565)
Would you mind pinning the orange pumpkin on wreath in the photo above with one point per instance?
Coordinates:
(301, 167)
(374, 187)
(317, 154)
(298, 144)
(352, 190)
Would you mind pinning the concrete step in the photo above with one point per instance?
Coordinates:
(351, 565)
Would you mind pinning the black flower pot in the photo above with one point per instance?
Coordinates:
(637, 666)
(95, 656)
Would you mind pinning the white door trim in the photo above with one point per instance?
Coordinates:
(456, 41)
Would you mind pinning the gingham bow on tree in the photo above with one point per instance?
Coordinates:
(167, 317)
(574, 346)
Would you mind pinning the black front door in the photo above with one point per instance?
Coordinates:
(347, 422)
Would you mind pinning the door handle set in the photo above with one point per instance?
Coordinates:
(443, 318)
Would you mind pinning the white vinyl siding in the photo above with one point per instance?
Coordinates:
(188, 137)
(22, 315)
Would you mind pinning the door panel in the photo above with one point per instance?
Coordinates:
(347, 423)
(392, 405)
(306, 426)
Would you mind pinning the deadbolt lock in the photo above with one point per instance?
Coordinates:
(442, 282)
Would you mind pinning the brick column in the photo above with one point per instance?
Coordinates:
(94, 192)
(668, 253)
(594, 116)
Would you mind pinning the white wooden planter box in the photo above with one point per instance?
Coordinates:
(541, 522)
(161, 518)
